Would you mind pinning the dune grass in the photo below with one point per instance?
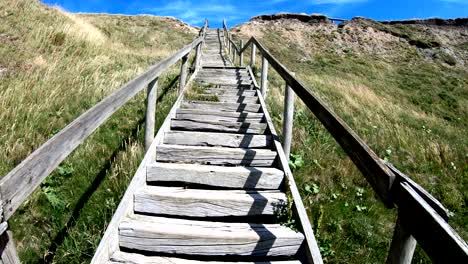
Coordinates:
(410, 110)
(54, 66)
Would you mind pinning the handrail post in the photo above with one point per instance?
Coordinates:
(253, 55)
(288, 120)
(229, 44)
(198, 55)
(264, 83)
(403, 244)
(150, 121)
(183, 73)
(8, 253)
(241, 55)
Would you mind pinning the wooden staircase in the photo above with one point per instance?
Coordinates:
(213, 190)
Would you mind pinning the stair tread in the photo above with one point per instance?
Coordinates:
(191, 138)
(194, 124)
(178, 201)
(120, 257)
(221, 176)
(216, 155)
(188, 237)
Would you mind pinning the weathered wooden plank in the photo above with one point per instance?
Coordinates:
(220, 118)
(175, 236)
(264, 77)
(402, 246)
(213, 106)
(183, 73)
(220, 176)
(218, 126)
(217, 139)
(246, 115)
(216, 156)
(288, 120)
(237, 99)
(17, 185)
(120, 257)
(441, 243)
(8, 254)
(177, 201)
(230, 92)
(150, 117)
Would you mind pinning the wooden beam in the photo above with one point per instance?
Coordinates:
(440, 242)
(17, 185)
(150, 118)
(253, 55)
(288, 120)
(264, 83)
(402, 246)
(241, 55)
(183, 73)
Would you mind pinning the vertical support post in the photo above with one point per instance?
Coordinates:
(198, 56)
(264, 84)
(403, 244)
(183, 73)
(233, 54)
(241, 55)
(229, 45)
(253, 55)
(150, 121)
(288, 120)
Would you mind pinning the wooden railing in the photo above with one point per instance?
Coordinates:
(421, 217)
(17, 185)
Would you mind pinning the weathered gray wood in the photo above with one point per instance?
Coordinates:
(311, 247)
(217, 139)
(17, 185)
(177, 201)
(150, 118)
(241, 55)
(441, 243)
(175, 236)
(253, 55)
(245, 115)
(183, 73)
(220, 118)
(212, 106)
(258, 178)
(264, 78)
(402, 246)
(8, 254)
(217, 126)
(288, 120)
(133, 258)
(216, 156)
(230, 92)
(198, 56)
(3, 227)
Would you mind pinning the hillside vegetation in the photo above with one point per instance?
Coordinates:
(404, 90)
(54, 66)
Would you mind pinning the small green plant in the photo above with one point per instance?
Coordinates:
(295, 162)
(55, 201)
(314, 189)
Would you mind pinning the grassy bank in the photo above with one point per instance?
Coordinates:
(410, 109)
(54, 66)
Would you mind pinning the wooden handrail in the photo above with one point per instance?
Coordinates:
(18, 184)
(421, 215)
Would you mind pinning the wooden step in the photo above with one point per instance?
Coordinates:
(215, 106)
(245, 115)
(220, 81)
(186, 237)
(230, 92)
(216, 176)
(217, 139)
(177, 201)
(120, 257)
(218, 126)
(237, 99)
(215, 155)
(220, 118)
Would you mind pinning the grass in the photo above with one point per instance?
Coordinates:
(410, 111)
(55, 66)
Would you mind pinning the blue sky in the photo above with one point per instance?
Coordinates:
(236, 11)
